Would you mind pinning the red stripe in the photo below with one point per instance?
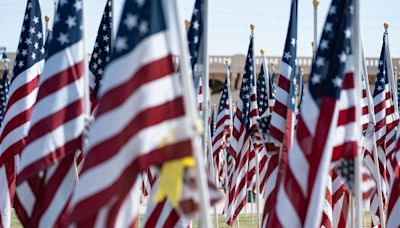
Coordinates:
(347, 116)
(84, 208)
(153, 218)
(23, 91)
(148, 73)
(106, 149)
(284, 83)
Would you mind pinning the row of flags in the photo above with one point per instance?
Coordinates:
(74, 152)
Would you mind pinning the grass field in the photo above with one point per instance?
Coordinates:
(245, 221)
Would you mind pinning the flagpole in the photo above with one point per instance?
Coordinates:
(190, 108)
(315, 45)
(358, 63)
(256, 149)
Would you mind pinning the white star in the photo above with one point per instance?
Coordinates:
(30, 5)
(94, 66)
(78, 5)
(23, 28)
(131, 21)
(140, 3)
(36, 45)
(293, 42)
(99, 61)
(324, 44)
(316, 79)
(63, 38)
(332, 10)
(71, 22)
(347, 33)
(121, 44)
(379, 88)
(328, 27)
(383, 81)
(42, 50)
(39, 35)
(28, 41)
(104, 27)
(144, 27)
(343, 57)
(32, 30)
(21, 64)
(380, 63)
(33, 56)
(196, 39)
(337, 82)
(24, 52)
(100, 71)
(320, 61)
(26, 17)
(287, 55)
(106, 38)
(196, 25)
(95, 55)
(293, 100)
(107, 49)
(96, 45)
(36, 20)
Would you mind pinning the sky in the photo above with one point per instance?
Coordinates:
(229, 22)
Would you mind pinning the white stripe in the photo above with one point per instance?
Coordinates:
(393, 220)
(286, 70)
(347, 99)
(345, 133)
(113, 167)
(270, 183)
(282, 96)
(121, 116)
(62, 60)
(26, 76)
(299, 166)
(129, 210)
(60, 199)
(310, 112)
(285, 210)
(26, 196)
(51, 141)
(57, 101)
(149, 50)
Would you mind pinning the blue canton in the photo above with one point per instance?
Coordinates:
(262, 96)
(247, 86)
(102, 48)
(139, 20)
(4, 86)
(333, 51)
(30, 48)
(382, 78)
(68, 27)
(195, 32)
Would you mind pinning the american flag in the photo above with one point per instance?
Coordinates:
(284, 112)
(223, 124)
(284, 107)
(340, 201)
(300, 89)
(57, 125)
(244, 125)
(23, 90)
(327, 216)
(102, 51)
(4, 87)
(154, 132)
(195, 33)
(327, 122)
(384, 113)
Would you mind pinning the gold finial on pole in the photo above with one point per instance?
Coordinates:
(315, 3)
(386, 25)
(252, 27)
(187, 24)
(226, 62)
(312, 44)
(302, 71)
(47, 19)
(262, 51)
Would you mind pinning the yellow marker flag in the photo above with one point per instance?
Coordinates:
(171, 179)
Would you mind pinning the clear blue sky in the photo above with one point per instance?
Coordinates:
(229, 23)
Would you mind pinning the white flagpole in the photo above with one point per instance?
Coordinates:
(256, 149)
(190, 108)
(357, 64)
(315, 43)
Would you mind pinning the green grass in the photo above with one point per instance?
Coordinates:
(245, 221)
